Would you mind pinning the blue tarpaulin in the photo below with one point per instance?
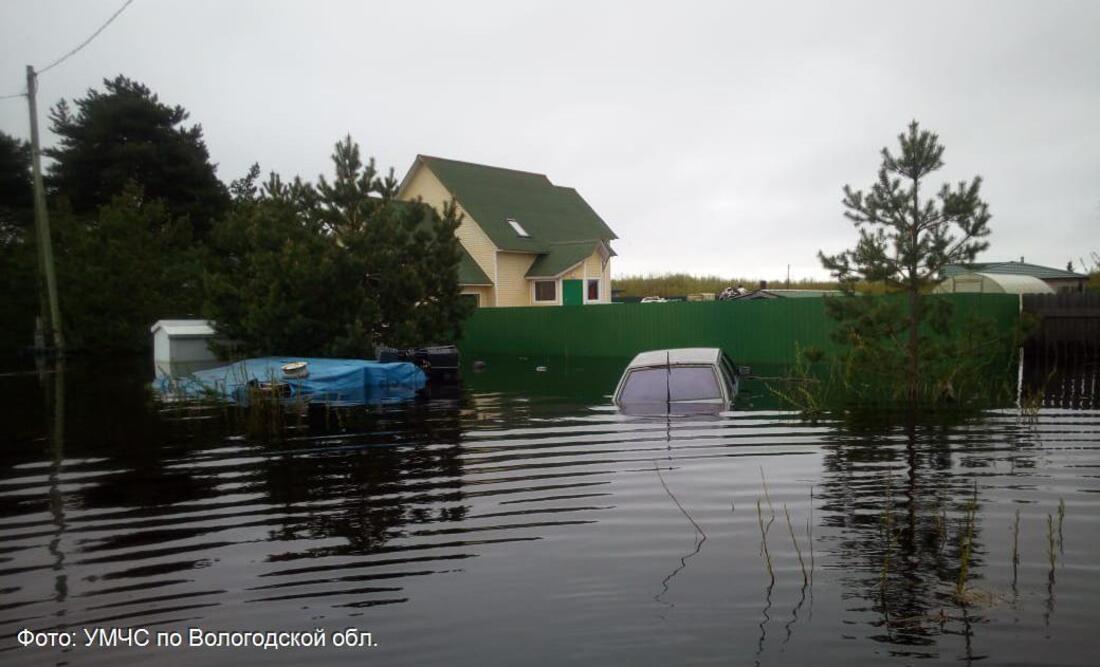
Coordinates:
(335, 381)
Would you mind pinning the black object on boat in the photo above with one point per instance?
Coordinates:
(439, 362)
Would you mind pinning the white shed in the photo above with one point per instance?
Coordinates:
(993, 283)
(182, 346)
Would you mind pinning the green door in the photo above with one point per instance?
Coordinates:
(572, 292)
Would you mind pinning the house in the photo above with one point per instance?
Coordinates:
(1059, 280)
(526, 241)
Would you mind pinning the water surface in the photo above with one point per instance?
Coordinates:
(522, 520)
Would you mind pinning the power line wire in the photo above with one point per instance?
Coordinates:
(87, 41)
(12, 96)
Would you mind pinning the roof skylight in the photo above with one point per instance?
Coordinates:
(519, 228)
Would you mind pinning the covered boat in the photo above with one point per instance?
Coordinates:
(333, 381)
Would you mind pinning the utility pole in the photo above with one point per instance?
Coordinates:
(51, 316)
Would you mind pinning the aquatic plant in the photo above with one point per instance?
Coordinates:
(966, 548)
(765, 528)
(797, 549)
(1061, 519)
(1050, 544)
(810, 535)
(764, 540)
(1015, 547)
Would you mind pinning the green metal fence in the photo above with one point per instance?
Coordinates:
(758, 331)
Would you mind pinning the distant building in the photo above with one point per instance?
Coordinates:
(787, 294)
(527, 242)
(992, 283)
(1059, 280)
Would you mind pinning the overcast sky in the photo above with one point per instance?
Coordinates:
(712, 137)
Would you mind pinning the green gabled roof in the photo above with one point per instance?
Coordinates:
(1009, 268)
(561, 257)
(469, 273)
(549, 213)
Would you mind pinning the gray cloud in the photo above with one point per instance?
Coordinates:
(713, 137)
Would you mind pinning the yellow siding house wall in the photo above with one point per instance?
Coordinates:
(513, 288)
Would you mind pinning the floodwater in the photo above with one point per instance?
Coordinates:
(521, 520)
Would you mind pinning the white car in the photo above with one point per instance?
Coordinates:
(680, 381)
(653, 299)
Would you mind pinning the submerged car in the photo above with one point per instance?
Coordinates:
(693, 380)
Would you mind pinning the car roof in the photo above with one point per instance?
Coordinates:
(683, 355)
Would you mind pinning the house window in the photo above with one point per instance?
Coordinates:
(472, 298)
(519, 228)
(594, 289)
(546, 290)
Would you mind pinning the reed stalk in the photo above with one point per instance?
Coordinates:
(1050, 542)
(1015, 546)
(764, 540)
(797, 549)
(1061, 518)
(810, 535)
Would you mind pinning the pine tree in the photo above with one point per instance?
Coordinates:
(125, 136)
(905, 241)
(334, 269)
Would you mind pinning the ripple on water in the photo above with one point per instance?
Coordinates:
(489, 528)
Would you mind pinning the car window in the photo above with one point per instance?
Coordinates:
(728, 369)
(683, 383)
(694, 383)
(646, 385)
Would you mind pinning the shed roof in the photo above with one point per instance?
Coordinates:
(1010, 268)
(550, 214)
(182, 328)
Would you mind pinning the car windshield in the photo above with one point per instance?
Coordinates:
(680, 383)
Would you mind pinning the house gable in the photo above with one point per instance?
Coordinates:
(495, 197)
(479, 248)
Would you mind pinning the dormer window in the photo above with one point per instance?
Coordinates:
(519, 228)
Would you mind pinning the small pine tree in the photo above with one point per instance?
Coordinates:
(905, 241)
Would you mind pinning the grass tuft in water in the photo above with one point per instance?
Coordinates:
(966, 550)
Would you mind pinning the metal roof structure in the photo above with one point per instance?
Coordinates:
(993, 283)
(1010, 268)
